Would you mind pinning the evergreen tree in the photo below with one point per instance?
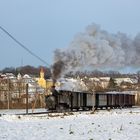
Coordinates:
(112, 85)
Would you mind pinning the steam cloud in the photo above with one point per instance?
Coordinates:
(98, 49)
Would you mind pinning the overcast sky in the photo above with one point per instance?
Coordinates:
(44, 25)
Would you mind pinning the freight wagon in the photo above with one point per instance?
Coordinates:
(114, 100)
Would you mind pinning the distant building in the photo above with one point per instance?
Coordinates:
(41, 80)
(13, 90)
(49, 83)
(45, 83)
(127, 80)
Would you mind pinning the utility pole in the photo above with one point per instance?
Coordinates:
(26, 98)
(8, 98)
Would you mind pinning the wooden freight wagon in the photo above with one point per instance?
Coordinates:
(114, 100)
(130, 100)
(100, 100)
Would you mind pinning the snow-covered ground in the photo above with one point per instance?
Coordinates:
(116, 124)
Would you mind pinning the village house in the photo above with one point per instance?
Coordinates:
(13, 89)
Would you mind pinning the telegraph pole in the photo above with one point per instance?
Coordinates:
(26, 98)
(8, 98)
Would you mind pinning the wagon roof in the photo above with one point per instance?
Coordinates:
(117, 92)
(75, 91)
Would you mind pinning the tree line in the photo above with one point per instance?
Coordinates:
(31, 70)
(34, 71)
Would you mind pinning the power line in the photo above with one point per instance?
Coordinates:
(23, 46)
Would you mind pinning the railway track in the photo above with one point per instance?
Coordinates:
(70, 112)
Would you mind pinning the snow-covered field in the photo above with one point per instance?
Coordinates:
(102, 125)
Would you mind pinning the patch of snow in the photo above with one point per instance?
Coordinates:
(100, 125)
